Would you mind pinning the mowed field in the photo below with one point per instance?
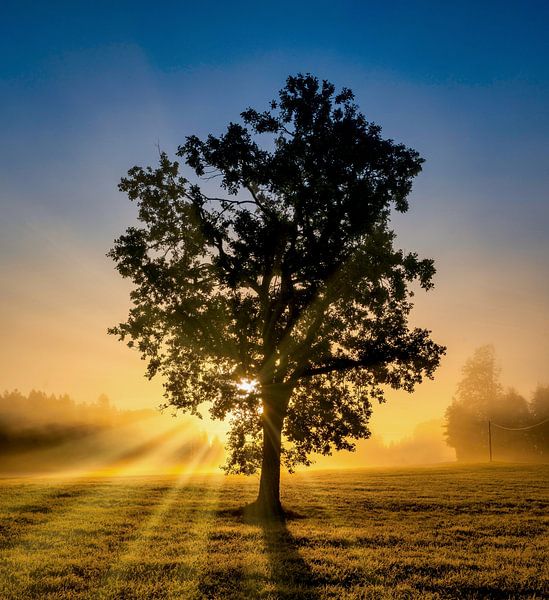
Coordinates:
(442, 532)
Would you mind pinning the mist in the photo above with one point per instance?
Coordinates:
(426, 445)
(44, 434)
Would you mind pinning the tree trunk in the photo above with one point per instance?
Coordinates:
(275, 403)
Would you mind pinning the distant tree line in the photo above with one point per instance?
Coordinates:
(42, 433)
(39, 420)
(517, 429)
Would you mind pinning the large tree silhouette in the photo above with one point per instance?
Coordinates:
(284, 302)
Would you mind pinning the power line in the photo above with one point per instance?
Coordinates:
(490, 423)
(520, 428)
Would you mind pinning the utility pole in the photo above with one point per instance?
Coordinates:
(490, 439)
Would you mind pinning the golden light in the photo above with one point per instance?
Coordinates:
(248, 386)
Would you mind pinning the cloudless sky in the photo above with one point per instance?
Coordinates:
(88, 89)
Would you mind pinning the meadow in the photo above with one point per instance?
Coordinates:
(433, 532)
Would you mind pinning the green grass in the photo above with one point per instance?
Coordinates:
(445, 532)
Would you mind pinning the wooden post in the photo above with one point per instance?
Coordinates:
(490, 439)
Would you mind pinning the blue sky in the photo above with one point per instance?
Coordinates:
(470, 42)
(87, 89)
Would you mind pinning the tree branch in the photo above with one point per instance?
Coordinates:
(257, 202)
(335, 364)
(228, 201)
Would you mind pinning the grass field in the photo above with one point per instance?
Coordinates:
(444, 532)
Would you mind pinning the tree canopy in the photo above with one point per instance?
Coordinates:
(287, 276)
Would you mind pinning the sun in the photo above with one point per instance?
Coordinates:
(248, 386)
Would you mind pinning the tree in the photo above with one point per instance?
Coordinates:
(284, 302)
(476, 396)
(511, 411)
(539, 407)
(479, 388)
(540, 403)
(480, 398)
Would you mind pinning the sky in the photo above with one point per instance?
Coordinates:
(89, 89)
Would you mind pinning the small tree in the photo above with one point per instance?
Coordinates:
(283, 303)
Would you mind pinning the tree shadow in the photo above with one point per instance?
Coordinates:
(291, 575)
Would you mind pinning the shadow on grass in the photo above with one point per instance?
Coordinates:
(219, 578)
(290, 575)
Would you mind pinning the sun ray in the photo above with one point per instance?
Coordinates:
(153, 521)
(112, 467)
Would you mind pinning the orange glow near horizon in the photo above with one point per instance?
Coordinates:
(62, 298)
